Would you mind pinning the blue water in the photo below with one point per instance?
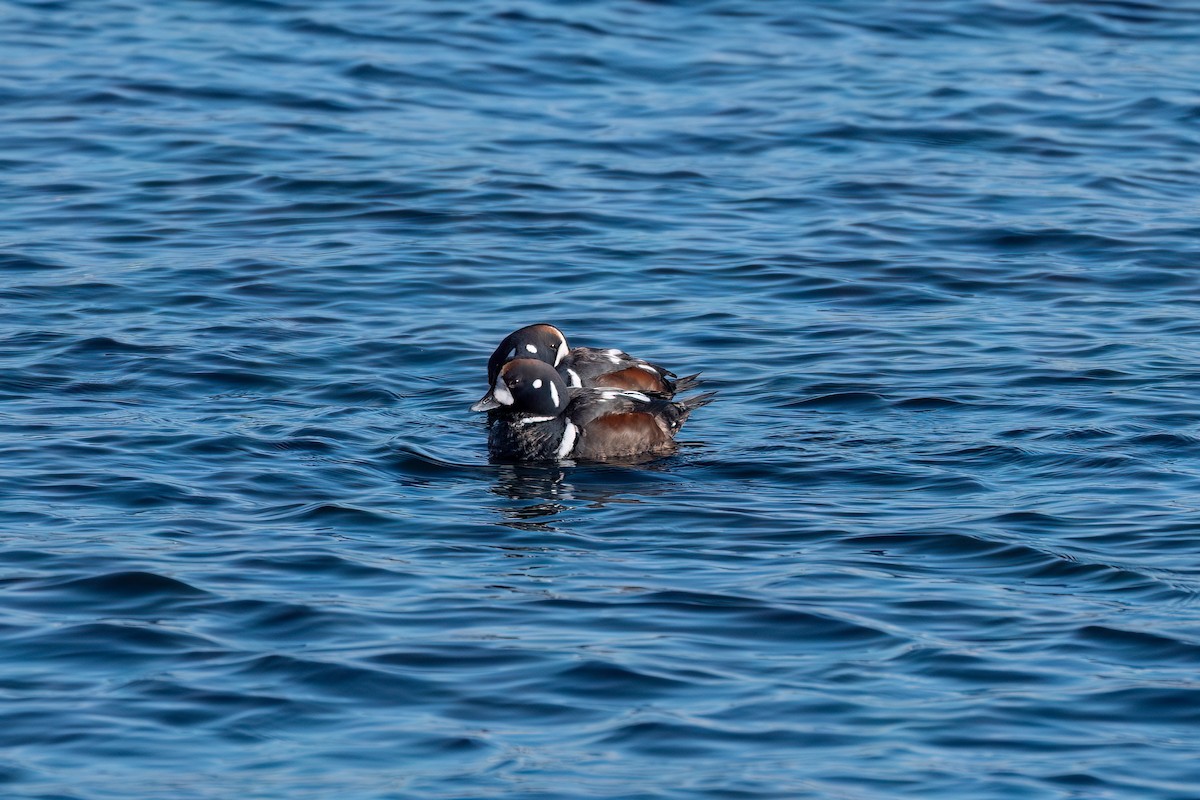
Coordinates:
(938, 538)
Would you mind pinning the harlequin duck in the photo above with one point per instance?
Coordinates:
(586, 367)
(537, 417)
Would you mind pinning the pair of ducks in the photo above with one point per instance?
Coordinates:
(551, 402)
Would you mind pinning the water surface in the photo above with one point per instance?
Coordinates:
(937, 539)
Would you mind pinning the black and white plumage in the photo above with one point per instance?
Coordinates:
(586, 367)
(537, 417)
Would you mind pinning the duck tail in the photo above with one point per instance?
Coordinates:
(692, 403)
(678, 411)
(687, 382)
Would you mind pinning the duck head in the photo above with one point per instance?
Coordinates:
(526, 386)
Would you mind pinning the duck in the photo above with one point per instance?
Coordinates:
(535, 416)
(585, 367)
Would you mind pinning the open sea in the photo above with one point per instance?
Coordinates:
(938, 537)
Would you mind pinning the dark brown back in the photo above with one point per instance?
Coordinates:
(635, 378)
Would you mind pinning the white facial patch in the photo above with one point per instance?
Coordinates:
(501, 393)
(553, 394)
(537, 384)
(575, 381)
(562, 352)
(531, 348)
(568, 441)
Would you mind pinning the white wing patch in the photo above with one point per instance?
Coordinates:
(649, 369)
(575, 381)
(613, 394)
(568, 441)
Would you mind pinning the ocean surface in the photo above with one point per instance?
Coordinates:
(938, 538)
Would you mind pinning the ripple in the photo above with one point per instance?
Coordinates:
(126, 586)
(1137, 646)
(852, 401)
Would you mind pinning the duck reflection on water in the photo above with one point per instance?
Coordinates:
(544, 492)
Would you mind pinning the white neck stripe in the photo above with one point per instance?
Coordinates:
(568, 441)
